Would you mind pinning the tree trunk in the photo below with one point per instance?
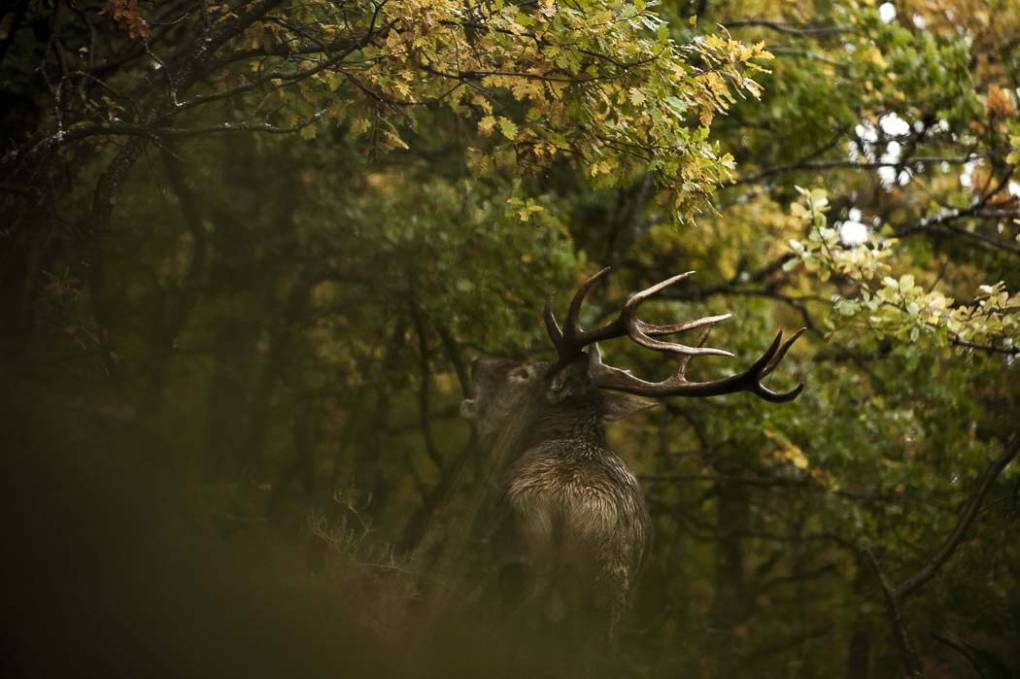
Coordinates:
(858, 660)
(730, 605)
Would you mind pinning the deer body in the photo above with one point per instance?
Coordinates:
(579, 515)
(578, 511)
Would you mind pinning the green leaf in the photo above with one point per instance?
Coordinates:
(508, 128)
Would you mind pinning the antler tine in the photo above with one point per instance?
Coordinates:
(767, 394)
(759, 366)
(681, 371)
(551, 326)
(571, 327)
(767, 363)
(636, 329)
(654, 330)
(782, 352)
(642, 295)
(570, 339)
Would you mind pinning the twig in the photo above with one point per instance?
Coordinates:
(789, 29)
(896, 596)
(894, 611)
(851, 165)
(930, 569)
(424, 395)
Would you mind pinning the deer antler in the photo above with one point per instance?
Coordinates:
(571, 340)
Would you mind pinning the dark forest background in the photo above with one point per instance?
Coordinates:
(248, 250)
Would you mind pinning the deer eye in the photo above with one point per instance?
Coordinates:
(520, 374)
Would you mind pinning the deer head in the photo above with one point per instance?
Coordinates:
(544, 398)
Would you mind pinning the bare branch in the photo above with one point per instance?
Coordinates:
(852, 165)
(788, 29)
(894, 612)
(895, 597)
(939, 559)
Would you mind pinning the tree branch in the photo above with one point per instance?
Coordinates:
(851, 165)
(424, 395)
(939, 559)
(894, 612)
(895, 597)
(788, 29)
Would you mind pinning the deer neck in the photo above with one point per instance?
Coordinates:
(576, 423)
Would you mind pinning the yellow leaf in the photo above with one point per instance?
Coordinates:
(999, 102)
(507, 127)
(788, 450)
(485, 125)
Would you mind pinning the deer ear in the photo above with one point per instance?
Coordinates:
(618, 405)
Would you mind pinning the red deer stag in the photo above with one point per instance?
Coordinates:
(578, 512)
